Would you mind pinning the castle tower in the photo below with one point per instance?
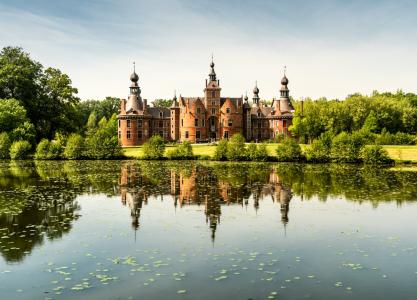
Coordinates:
(247, 121)
(212, 103)
(175, 119)
(134, 102)
(255, 98)
(285, 103)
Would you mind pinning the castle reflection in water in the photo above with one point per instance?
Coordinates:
(198, 185)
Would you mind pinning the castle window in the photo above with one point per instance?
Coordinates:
(230, 123)
(119, 122)
(203, 123)
(139, 123)
(198, 110)
(161, 124)
(259, 114)
(226, 135)
(120, 134)
(186, 135)
(128, 123)
(228, 110)
(197, 134)
(284, 124)
(196, 122)
(182, 123)
(213, 111)
(161, 114)
(139, 134)
(213, 102)
(213, 94)
(128, 134)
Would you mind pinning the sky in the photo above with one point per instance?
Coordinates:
(331, 48)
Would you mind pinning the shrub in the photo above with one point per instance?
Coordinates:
(74, 147)
(221, 150)
(4, 146)
(346, 148)
(257, 152)
(289, 150)
(183, 151)
(103, 143)
(236, 148)
(375, 155)
(154, 148)
(318, 152)
(20, 150)
(55, 150)
(404, 139)
(42, 149)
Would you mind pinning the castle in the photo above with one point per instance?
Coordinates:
(207, 118)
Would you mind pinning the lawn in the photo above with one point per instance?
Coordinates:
(396, 152)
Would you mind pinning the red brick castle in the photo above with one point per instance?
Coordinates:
(199, 119)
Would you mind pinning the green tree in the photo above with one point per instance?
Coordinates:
(20, 150)
(5, 144)
(257, 152)
(162, 103)
(346, 148)
(220, 153)
(12, 114)
(182, 151)
(375, 155)
(25, 132)
(236, 148)
(74, 148)
(289, 150)
(154, 148)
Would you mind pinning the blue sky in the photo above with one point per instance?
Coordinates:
(330, 48)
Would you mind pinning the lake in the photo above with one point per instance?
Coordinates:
(206, 230)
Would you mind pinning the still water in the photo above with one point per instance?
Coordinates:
(203, 230)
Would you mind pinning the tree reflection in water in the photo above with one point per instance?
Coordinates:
(38, 200)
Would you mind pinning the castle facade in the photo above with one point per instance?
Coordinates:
(206, 118)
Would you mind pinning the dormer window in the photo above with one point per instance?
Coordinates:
(259, 114)
(228, 110)
(198, 110)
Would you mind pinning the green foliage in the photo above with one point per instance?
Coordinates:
(42, 150)
(182, 151)
(25, 132)
(318, 152)
(102, 142)
(154, 148)
(12, 114)
(397, 112)
(236, 148)
(347, 147)
(20, 150)
(289, 150)
(257, 152)
(221, 150)
(46, 94)
(399, 138)
(375, 155)
(162, 103)
(74, 148)
(101, 108)
(48, 150)
(5, 144)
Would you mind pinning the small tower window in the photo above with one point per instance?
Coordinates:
(128, 123)
(120, 134)
(119, 122)
(161, 114)
(186, 135)
(259, 114)
(128, 134)
(230, 122)
(182, 122)
(213, 102)
(228, 110)
(213, 94)
(203, 123)
(196, 122)
(213, 111)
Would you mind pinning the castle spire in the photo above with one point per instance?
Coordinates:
(212, 74)
(255, 98)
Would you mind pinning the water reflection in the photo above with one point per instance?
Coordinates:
(38, 201)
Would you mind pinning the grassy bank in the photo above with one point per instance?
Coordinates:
(399, 153)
